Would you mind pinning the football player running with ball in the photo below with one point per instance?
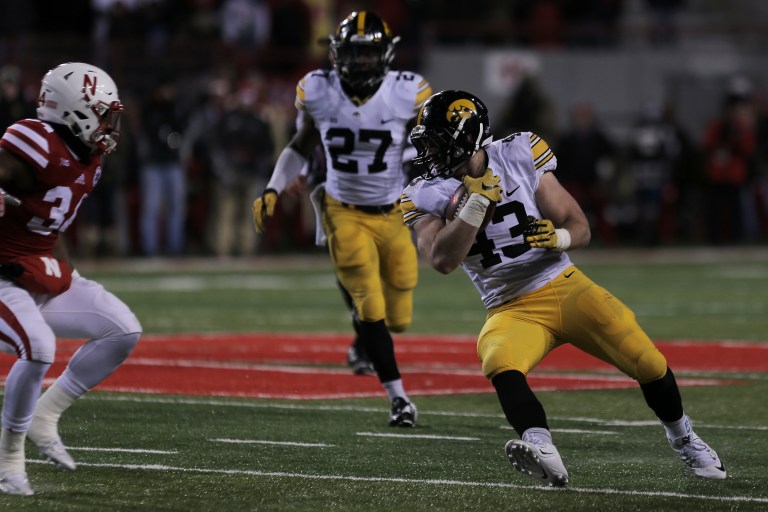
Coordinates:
(361, 112)
(536, 298)
(51, 164)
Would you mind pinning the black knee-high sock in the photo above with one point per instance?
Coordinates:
(663, 396)
(521, 407)
(378, 343)
(351, 306)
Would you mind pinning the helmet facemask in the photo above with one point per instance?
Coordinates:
(442, 151)
(363, 49)
(106, 136)
(362, 66)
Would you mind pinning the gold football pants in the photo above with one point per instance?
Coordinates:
(570, 309)
(375, 260)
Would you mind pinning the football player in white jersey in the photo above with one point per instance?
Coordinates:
(536, 298)
(360, 112)
(50, 165)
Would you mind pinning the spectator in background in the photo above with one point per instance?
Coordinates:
(17, 21)
(653, 154)
(13, 104)
(163, 177)
(689, 181)
(241, 156)
(245, 23)
(290, 36)
(761, 161)
(114, 23)
(196, 150)
(665, 17)
(592, 24)
(729, 146)
(107, 224)
(590, 157)
(529, 108)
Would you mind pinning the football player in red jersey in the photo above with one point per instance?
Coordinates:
(51, 164)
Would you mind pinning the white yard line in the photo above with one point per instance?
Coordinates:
(445, 483)
(307, 407)
(417, 436)
(574, 431)
(120, 450)
(280, 443)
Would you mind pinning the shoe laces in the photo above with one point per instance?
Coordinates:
(398, 404)
(695, 452)
(536, 440)
(56, 446)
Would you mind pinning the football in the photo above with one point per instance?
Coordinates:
(457, 202)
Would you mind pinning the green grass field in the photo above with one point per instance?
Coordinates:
(173, 453)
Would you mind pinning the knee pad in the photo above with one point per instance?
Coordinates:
(511, 342)
(495, 360)
(398, 328)
(371, 308)
(124, 344)
(651, 366)
(399, 306)
(42, 342)
(363, 284)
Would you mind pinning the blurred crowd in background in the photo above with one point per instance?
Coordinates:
(210, 84)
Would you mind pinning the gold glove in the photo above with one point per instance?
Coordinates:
(264, 207)
(540, 233)
(487, 185)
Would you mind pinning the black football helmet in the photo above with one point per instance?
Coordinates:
(363, 48)
(451, 126)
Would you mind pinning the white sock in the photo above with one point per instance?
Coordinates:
(677, 429)
(541, 434)
(394, 389)
(50, 406)
(12, 452)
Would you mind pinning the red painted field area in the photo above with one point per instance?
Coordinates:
(310, 366)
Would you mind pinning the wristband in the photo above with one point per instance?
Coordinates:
(563, 239)
(473, 212)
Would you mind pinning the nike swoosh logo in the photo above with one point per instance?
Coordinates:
(545, 453)
(509, 194)
(385, 121)
(721, 468)
(569, 275)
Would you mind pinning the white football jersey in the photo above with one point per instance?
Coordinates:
(501, 265)
(363, 143)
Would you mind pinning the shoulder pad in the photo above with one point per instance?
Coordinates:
(30, 140)
(543, 157)
(409, 91)
(310, 87)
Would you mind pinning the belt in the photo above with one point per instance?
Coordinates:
(385, 208)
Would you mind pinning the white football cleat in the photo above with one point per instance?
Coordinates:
(540, 461)
(55, 451)
(697, 454)
(16, 485)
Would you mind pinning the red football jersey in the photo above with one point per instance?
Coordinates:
(62, 182)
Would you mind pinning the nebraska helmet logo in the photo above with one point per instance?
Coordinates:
(460, 109)
(89, 85)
